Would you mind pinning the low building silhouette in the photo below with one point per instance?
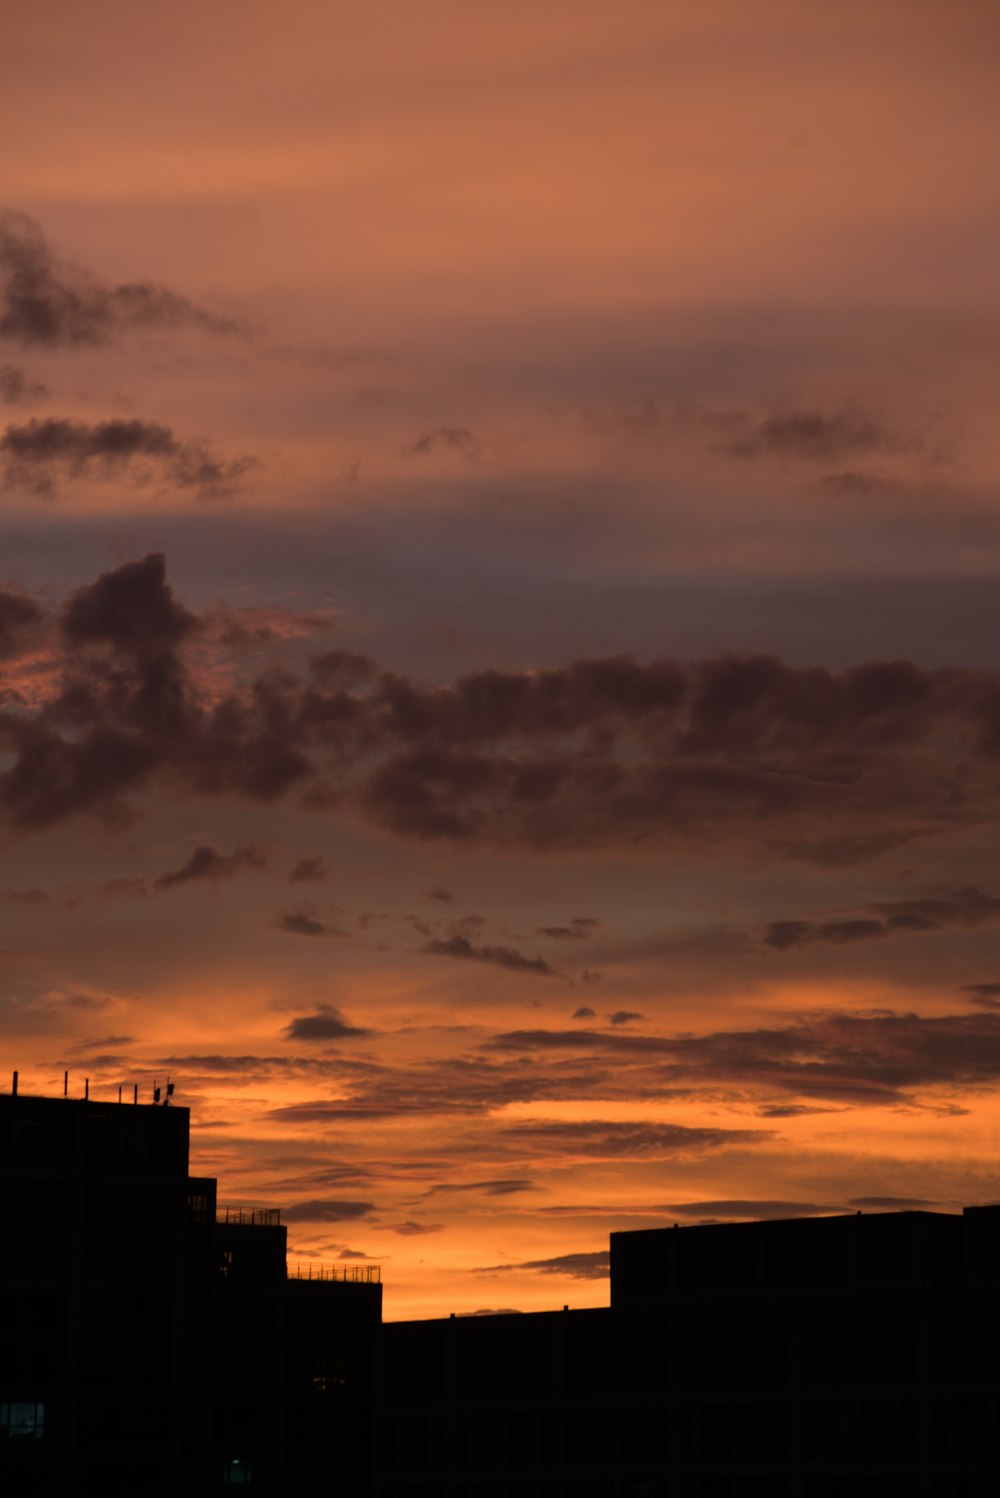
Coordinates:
(838, 1357)
(151, 1344)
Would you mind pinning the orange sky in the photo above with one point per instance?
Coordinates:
(464, 472)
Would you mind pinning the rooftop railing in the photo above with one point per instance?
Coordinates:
(249, 1217)
(348, 1274)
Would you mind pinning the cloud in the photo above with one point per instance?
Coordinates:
(306, 923)
(505, 1186)
(34, 452)
(963, 909)
(456, 439)
(625, 1016)
(100, 1041)
(250, 628)
(132, 608)
(458, 1085)
(442, 895)
(600, 754)
(755, 1210)
(601, 1139)
(581, 1266)
(416, 1229)
(206, 863)
(875, 1060)
(811, 436)
(986, 995)
(309, 871)
(578, 929)
(891, 1203)
(47, 304)
(326, 1210)
(584, 1013)
(21, 619)
(507, 957)
(26, 896)
(325, 1023)
(18, 388)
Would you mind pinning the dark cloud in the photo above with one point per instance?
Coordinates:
(100, 1041)
(325, 1023)
(456, 439)
(508, 957)
(838, 852)
(206, 863)
(26, 896)
(341, 668)
(489, 1310)
(18, 388)
(595, 754)
(505, 1186)
(326, 1210)
(462, 1085)
(755, 1210)
(880, 1059)
(962, 909)
(132, 608)
(581, 1266)
(599, 1139)
(985, 994)
(625, 1016)
(38, 450)
(584, 1013)
(811, 436)
(416, 1229)
(578, 929)
(46, 303)
(306, 923)
(309, 871)
(443, 896)
(20, 620)
(891, 1203)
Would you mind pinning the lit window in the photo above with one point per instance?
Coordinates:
(226, 1263)
(329, 1374)
(236, 1472)
(22, 1421)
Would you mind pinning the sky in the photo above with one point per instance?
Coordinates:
(499, 610)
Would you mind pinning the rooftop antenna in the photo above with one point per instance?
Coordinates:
(65, 1084)
(15, 1085)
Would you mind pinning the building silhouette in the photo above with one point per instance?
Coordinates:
(151, 1345)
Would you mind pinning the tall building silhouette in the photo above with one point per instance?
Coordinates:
(151, 1345)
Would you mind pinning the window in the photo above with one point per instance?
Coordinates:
(22, 1422)
(329, 1375)
(225, 1263)
(236, 1472)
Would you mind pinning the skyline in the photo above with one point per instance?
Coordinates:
(499, 608)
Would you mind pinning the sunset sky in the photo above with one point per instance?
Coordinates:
(499, 557)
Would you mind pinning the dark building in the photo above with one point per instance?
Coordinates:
(150, 1344)
(838, 1357)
